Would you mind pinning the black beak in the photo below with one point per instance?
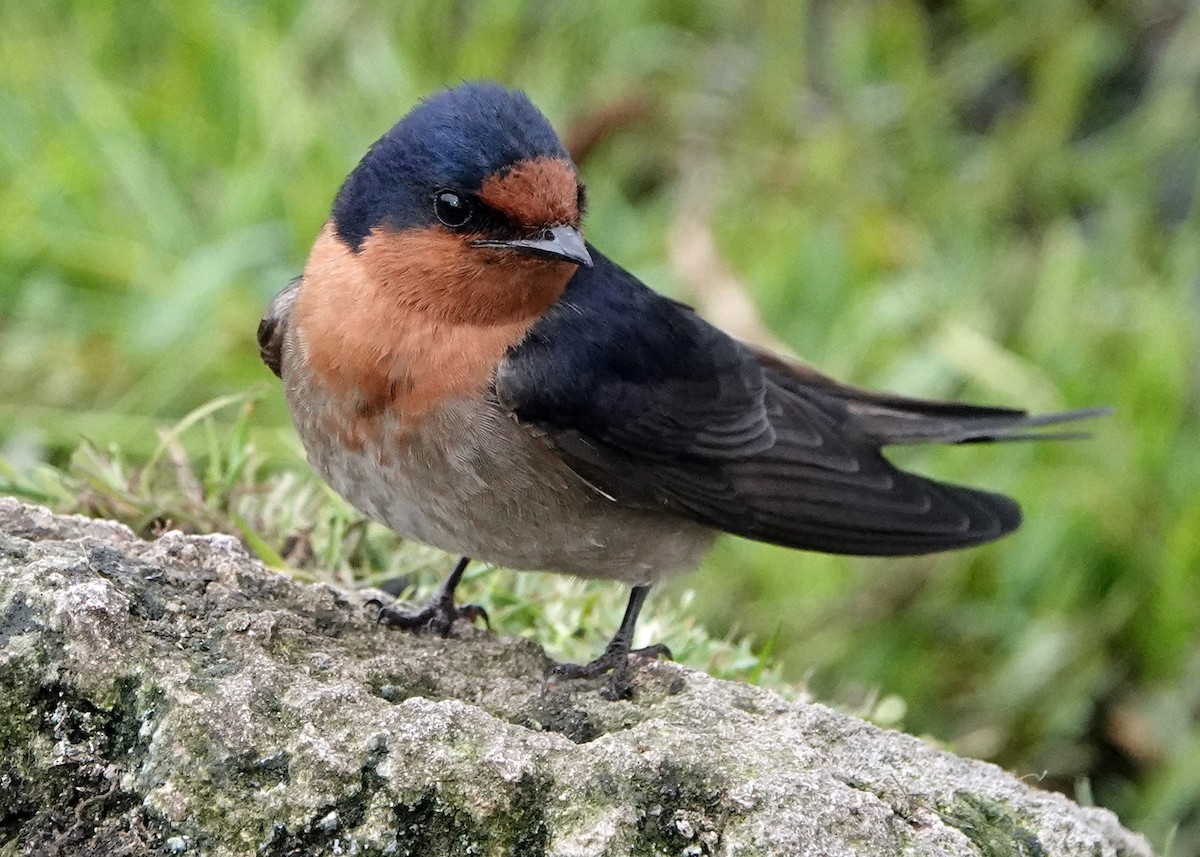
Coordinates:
(558, 242)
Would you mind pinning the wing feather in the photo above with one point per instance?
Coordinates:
(654, 406)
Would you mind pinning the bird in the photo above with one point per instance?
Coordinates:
(463, 367)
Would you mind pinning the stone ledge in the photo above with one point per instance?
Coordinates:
(175, 697)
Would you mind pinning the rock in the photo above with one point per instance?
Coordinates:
(175, 697)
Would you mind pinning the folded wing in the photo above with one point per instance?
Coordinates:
(654, 406)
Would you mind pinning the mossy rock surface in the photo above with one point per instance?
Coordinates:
(175, 697)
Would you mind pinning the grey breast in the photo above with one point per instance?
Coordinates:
(470, 479)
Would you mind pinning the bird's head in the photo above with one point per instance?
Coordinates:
(468, 209)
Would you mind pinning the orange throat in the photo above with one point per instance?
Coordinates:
(414, 319)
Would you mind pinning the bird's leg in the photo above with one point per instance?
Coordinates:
(440, 611)
(615, 660)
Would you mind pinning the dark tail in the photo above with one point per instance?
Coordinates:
(891, 425)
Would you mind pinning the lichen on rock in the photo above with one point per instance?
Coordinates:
(175, 697)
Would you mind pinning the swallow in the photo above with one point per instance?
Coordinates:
(463, 367)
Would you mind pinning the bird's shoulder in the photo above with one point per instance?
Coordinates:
(617, 361)
(272, 328)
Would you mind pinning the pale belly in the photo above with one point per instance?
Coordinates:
(470, 480)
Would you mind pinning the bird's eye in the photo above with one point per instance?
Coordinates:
(452, 209)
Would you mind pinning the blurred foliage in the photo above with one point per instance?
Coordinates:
(985, 199)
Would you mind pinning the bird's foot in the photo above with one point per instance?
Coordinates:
(437, 616)
(615, 663)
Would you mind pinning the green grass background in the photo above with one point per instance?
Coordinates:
(989, 199)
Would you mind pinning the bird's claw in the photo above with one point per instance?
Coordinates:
(437, 617)
(614, 662)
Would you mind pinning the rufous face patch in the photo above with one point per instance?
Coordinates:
(441, 275)
(415, 318)
(536, 193)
